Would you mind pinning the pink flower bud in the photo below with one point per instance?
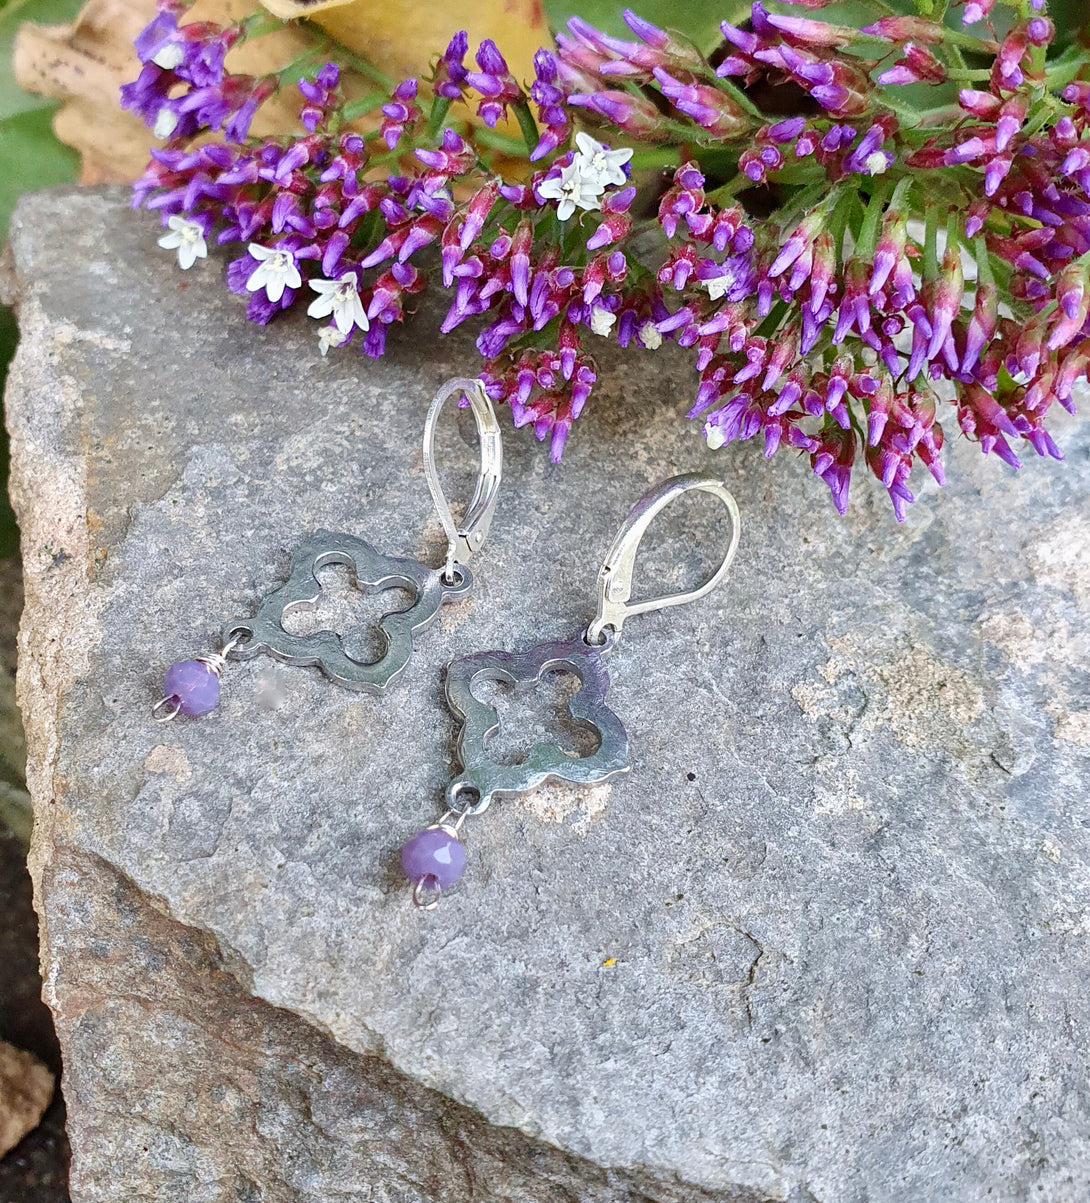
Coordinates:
(984, 105)
(981, 326)
(632, 114)
(802, 31)
(904, 29)
(918, 65)
(977, 10)
(889, 251)
(709, 107)
(1011, 116)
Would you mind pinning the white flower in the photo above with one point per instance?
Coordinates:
(650, 336)
(599, 162)
(572, 188)
(602, 321)
(714, 436)
(275, 271)
(342, 299)
(877, 163)
(169, 56)
(166, 122)
(330, 336)
(188, 238)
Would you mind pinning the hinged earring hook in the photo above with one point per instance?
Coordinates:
(615, 575)
(463, 541)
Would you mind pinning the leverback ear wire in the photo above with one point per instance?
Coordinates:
(435, 858)
(464, 541)
(615, 575)
(191, 687)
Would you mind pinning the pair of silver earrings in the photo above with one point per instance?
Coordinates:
(434, 859)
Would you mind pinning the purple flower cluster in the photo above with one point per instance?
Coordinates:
(192, 57)
(910, 263)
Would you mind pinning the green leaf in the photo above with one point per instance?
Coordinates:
(31, 157)
(1072, 17)
(46, 12)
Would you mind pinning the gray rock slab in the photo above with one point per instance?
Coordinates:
(827, 940)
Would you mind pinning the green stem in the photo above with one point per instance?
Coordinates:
(494, 140)
(946, 115)
(440, 106)
(868, 235)
(527, 124)
(931, 243)
(983, 261)
(729, 190)
(294, 71)
(957, 37)
(900, 194)
(739, 98)
(356, 61)
(968, 77)
(363, 104)
(258, 24)
(667, 157)
(956, 57)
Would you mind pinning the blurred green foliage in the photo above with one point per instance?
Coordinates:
(30, 156)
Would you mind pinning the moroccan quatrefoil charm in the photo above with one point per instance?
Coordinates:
(546, 761)
(265, 634)
(435, 858)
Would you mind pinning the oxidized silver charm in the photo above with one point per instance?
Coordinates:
(435, 858)
(482, 778)
(265, 634)
(192, 686)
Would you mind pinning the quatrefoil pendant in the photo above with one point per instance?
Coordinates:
(546, 761)
(265, 634)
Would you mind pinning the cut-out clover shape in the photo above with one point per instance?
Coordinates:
(546, 760)
(264, 633)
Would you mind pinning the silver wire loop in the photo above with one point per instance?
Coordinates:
(463, 541)
(170, 715)
(427, 892)
(615, 575)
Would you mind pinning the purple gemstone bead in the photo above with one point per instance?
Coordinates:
(193, 685)
(434, 853)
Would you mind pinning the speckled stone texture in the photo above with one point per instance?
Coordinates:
(826, 940)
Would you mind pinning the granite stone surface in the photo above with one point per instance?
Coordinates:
(827, 939)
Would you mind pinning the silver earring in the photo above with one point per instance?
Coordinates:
(192, 687)
(435, 858)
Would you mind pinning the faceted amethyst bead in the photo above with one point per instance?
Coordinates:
(193, 685)
(434, 853)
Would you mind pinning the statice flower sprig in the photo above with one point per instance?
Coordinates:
(848, 266)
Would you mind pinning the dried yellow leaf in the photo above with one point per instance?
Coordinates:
(403, 37)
